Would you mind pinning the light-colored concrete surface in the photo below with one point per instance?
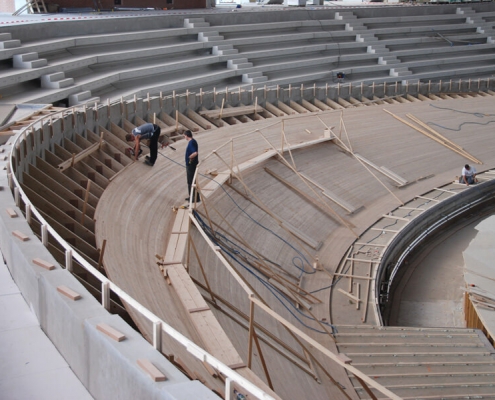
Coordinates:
(30, 365)
(433, 294)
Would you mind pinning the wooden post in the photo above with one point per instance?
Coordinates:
(157, 335)
(231, 160)
(105, 295)
(102, 252)
(161, 101)
(187, 97)
(221, 109)
(148, 99)
(262, 359)
(44, 235)
(173, 99)
(176, 120)
(154, 118)
(28, 214)
(68, 260)
(85, 202)
(251, 331)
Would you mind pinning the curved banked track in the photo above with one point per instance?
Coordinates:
(141, 198)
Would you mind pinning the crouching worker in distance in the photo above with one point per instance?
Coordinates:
(468, 175)
(149, 132)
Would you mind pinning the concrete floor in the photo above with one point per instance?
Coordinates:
(30, 365)
(433, 295)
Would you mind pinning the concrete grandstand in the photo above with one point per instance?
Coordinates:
(331, 142)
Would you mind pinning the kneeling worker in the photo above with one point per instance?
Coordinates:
(149, 132)
(468, 175)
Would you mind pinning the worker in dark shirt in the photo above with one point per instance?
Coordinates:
(192, 160)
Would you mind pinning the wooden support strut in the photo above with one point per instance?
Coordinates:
(78, 157)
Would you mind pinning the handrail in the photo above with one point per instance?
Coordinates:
(108, 285)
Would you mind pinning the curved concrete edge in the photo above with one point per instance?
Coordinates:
(419, 229)
(107, 368)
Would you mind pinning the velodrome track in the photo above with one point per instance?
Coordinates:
(135, 214)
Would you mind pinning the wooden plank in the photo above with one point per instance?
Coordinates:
(295, 106)
(82, 167)
(392, 176)
(189, 123)
(67, 292)
(11, 212)
(277, 112)
(286, 109)
(111, 332)
(109, 154)
(21, 236)
(78, 157)
(230, 112)
(154, 373)
(43, 264)
(334, 105)
(322, 105)
(198, 119)
(312, 108)
(327, 193)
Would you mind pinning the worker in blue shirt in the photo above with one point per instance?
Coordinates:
(192, 161)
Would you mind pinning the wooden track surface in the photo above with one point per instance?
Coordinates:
(135, 216)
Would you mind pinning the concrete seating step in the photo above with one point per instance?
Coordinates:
(10, 44)
(82, 98)
(239, 63)
(269, 27)
(253, 77)
(195, 23)
(223, 50)
(209, 36)
(28, 60)
(400, 71)
(56, 81)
